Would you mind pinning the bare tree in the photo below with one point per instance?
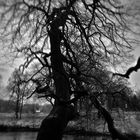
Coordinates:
(14, 89)
(73, 41)
(18, 90)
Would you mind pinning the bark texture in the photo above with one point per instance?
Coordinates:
(54, 124)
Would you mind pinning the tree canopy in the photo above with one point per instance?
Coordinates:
(74, 43)
(92, 34)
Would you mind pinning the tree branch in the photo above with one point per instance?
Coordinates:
(130, 70)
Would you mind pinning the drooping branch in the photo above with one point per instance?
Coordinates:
(108, 118)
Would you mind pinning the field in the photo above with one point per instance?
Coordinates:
(28, 120)
(127, 122)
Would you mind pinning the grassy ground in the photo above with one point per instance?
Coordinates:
(28, 120)
(127, 122)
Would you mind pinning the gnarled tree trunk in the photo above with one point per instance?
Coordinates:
(54, 124)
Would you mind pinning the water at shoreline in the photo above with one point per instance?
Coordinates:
(32, 136)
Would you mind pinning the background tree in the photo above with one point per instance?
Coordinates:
(14, 89)
(74, 41)
(18, 90)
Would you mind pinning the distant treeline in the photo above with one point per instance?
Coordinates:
(8, 106)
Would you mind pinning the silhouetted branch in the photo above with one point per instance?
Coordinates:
(78, 95)
(108, 118)
(130, 70)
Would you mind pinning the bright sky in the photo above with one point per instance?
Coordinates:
(5, 69)
(135, 76)
(135, 4)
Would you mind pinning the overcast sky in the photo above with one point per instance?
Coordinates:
(134, 6)
(6, 69)
(135, 76)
